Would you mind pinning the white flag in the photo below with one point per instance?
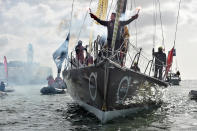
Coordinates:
(61, 53)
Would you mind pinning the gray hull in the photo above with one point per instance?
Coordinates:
(109, 91)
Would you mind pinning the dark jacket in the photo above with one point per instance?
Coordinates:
(160, 58)
(110, 27)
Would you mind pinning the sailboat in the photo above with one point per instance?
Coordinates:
(5, 82)
(2, 83)
(109, 89)
(6, 68)
(172, 77)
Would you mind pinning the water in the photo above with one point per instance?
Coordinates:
(27, 110)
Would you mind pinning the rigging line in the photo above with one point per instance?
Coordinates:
(161, 23)
(177, 68)
(71, 15)
(115, 5)
(131, 7)
(144, 54)
(70, 26)
(177, 21)
(110, 9)
(83, 21)
(135, 25)
(155, 22)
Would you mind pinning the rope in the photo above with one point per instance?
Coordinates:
(83, 21)
(143, 54)
(155, 22)
(177, 22)
(131, 7)
(66, 65)
(177, 29)
(110, 9)
(177, 68)
(115, 5)
(71, 15)
(136, 26)
(161, 23)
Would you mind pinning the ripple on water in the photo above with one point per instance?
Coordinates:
(27, 110)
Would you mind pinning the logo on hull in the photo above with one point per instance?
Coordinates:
(123, 89)
(93, 85)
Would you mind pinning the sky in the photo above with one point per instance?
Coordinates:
(45, 24)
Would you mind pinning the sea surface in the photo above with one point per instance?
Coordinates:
(26, 109)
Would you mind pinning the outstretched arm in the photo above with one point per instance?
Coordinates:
(122, 23)
(98, 20)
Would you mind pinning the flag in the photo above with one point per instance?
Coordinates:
(6, 66)
(174, 52)
(61, 53)
(169, 60)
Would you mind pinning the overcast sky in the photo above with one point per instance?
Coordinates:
(45, 23)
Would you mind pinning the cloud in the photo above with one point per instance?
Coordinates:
(3, 41)
(45, 24)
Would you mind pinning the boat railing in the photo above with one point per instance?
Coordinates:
(150, 62)
(135, 56)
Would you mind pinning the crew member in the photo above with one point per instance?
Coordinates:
(160, 61)
(124, 46)
(89, 58)
(50, 81)
(80, 52)
(110, 28)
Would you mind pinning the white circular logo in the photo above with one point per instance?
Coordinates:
(123, 89)
(93, 85)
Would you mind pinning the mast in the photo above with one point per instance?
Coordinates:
(124, 7)
(118, 14)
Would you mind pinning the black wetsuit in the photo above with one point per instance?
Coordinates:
(160, 61)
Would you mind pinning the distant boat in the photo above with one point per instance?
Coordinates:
(193, 94)
(4, 81)
(6, 68)
(173, 79)
(51, 90)
(7, 88)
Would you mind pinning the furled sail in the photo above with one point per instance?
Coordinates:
(102, 9)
